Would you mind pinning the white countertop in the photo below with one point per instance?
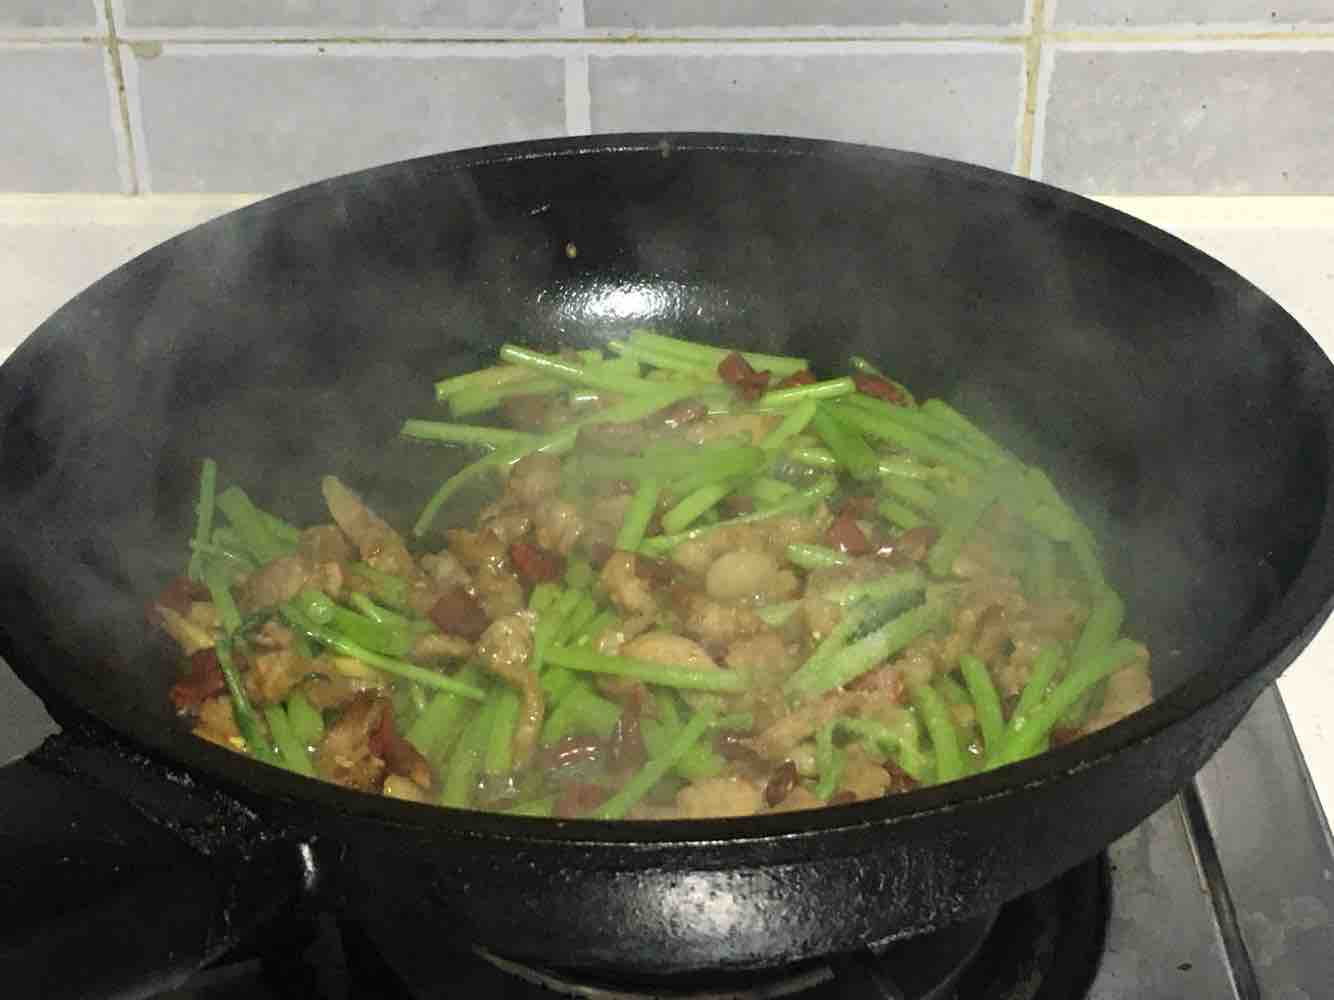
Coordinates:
(51, 246)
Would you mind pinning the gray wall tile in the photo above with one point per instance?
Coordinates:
(958, 104)
(650, 14)
(337, 15)
(48, 14)
(1140, 13)
(56, 120)
(271, 118)
(1190, 122)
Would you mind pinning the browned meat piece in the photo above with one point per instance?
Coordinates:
(534, 564)
(457, 612)
(444, 568)
(273, 675)
(911, 546)
(380, 546)
(776, 742)
(189, 635)
(765, 657)
(328, 689)
(1128, 690)
(630, 592)
(533, 480)
(886, 681)
(799, 798)
(780, 783)
(437, 646)
(610, 641)
(487, 558)
(558, 524)
(863, 777)
(737, 372)
(879, 388)
(398, 787)
(507, 523)
(803, 377)
(217, 724)
(749, 577)
(324, 543)
(283, 579)
(179, 594)
(344, 756)
(400, 756)
(846, 535)
(272, 635)
(677, 415)
(772, 535)
(721, 796)
(669, 649)
(713, 623)
(203, 681)
(505, 649)
(753, 425)
(578, 798)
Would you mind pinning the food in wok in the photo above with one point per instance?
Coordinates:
(701, 583)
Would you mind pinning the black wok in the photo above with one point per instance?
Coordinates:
(1189, 414)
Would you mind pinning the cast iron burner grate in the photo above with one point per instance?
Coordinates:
(1044, 946)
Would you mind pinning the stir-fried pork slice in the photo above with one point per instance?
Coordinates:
(379, 545)
(749, 577)
(330, 689)
(398, 787)
(439, 646)
(458, 613)
(445, 569)
(800, 797)
(778, 740)
(400, 756)
(487, 558)
(1128, 690)
(722, 796)
(284, 578)
(765, 657)
(533, 480)
(505, 649)
(610, 641)
(344, 756)
(202, 681)
(324, 543)
(669, 649)
(630, 592)
(191, 637)
(753, 426)
(559, 525)
(507, 523)
(217, 724)
(273, 675)
(772, 535)
(863, 777)
(714, 623)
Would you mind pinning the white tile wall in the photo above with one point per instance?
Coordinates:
(1106, 96)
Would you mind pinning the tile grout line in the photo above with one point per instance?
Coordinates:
(1032, 63)
(118, 81)
(578, 96)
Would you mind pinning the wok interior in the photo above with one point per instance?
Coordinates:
(1177, 406)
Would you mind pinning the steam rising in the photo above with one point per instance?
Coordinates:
(290, 339)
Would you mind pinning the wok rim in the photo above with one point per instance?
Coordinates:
(1268, 648)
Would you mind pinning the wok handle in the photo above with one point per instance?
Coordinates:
(100, 900)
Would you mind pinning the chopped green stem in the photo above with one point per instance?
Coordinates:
(285, 532)
(911, 492)
(229, 617)
(924, 446)
(704, 355)
(901, 742)
(906, 468)
(960, 526)
(482, 378)
(465, 763)
(1043, 672)
(739, 462)
(435, 729)
(701, 761)
(767, 492)
(399, 668)
(208, 485)
(581, 711)
(1026, 734)
(499, 758)
(653, 771)
(945, 415)
(686, 678)
(496, 460)
(593, 375)
(638, 514)
(856, 659)
(881, 589)
(603, 621)
(811, 557)
(580, 574)
(817, 457)
(691, 508)
(247, 722)
(846, 443)
(386, 587)
(480, 399)
(899, 515)
(986, 701)
(915, 420)
(556, 684)
(665, 360)
(935, 715)
(583, 612)
(829, 761)
(793, 423)
(1103, 625)
(809, 497)
(952, 691)
(307, 720)
(544, 597)
(491, 437)
(830, 389)
(250, 525)
(294, 755)
(542, 807)
(240, 560)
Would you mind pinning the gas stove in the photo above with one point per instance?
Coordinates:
(1226, 892)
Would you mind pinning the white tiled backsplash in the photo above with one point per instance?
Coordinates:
(1103, 96)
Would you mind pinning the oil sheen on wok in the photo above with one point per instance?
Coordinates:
(705, 583)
